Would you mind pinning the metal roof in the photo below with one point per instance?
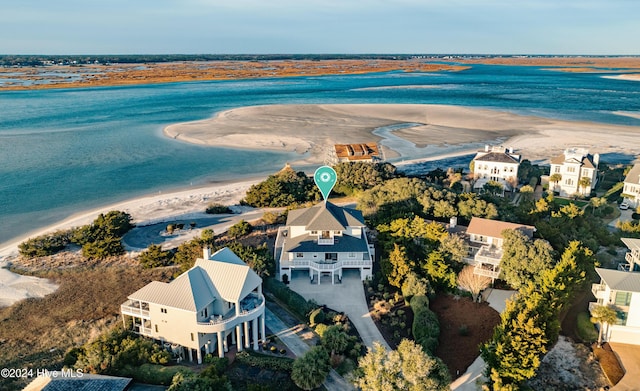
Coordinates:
(494, 228)
(500, 157)
(634, 175)
(632, 244)
(224, 276)
(88, 382)
(325, 216)
(620, 281)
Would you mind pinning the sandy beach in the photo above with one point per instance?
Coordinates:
(311, 130)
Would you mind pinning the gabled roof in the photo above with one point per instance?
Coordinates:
(577, 156)
(620, 281)
(499, 157)
(224, 276)
(632, 244)
(494, 228)
(634, 175)
(325, 216)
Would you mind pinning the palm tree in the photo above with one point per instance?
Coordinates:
(310, 370)
(603, 314)
(555, 178)
(584, 182)
(597, 202)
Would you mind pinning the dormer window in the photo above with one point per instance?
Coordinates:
(314, 232)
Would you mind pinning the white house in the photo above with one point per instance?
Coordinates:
(217, 302)
(631, 190)
(324, 239)
(485, 237)
(573, 165)
(498, 164)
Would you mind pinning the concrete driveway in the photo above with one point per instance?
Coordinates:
(629, 356)
(347, 297)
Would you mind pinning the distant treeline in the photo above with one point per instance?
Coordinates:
(35, 60)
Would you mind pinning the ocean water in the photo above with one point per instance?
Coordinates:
(64, 151)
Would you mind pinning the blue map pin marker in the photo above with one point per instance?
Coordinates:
(325, 178)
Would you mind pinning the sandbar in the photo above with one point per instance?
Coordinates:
(312, 130)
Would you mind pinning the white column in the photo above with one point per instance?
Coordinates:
(233, 338)
(199, 356)
(319, 275)
(246, 334)
(220, 346)
(333, 278)
(310, 274)
(262, 329)
(190, 355)
(225, 345)
(237, 309)
(239, 337)
(254, 331)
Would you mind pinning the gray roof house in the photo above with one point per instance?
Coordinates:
(631, 190)
(620, 290)
(217, 300)
(323, 240)
(498, 164)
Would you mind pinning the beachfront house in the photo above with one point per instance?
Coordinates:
(215, 304)
(497, 164)
(485, 244)
(631, 190)
(324, 240)
(620, 289)
(365, 152)
(576, 172)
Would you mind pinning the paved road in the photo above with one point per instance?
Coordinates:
(141, 237)
(347, 297)
(288, 336)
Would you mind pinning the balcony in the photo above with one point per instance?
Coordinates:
(250, 307)
(318, 266)
(481, 271)
(326, 241)
(488, 254)
(599, 291)
(135, 308)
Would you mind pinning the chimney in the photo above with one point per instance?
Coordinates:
(596, 159)
(453, 221)
(486, 147)
(510, 150)
(206, 252)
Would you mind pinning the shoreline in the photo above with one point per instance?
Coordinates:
(440, 132)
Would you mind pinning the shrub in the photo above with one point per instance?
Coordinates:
(251, 358)
(296, 303)
(586, 330)
(241, 228)
(214, 209)
(425, 328)
(44, 245)
(155, 257)
(321, 329)
(463, 330)
(316, 316)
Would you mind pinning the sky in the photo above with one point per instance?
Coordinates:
(595, 27)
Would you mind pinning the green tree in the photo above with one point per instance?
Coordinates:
(284, 188)
(414, 285)
(470, 205)
(523, 259)
(311, 369)
(438, 271)
(188, 252)
(399, 266)
(358, 176)
(335, 339)
(584, 182)
(153, 256)
(596, 203)
(454, 247)
(603, 315)
(407, 368)
(555, 178)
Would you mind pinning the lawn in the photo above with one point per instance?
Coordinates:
(464, 325)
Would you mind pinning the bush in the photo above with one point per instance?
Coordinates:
(463, 330)
(155, 257)
(285, 188)
(316, 316)
(215, 209)
(44, 245)
(425, 328)
(241, 228)
(586, 330)
(321, 329)
(283, 364)
(296, 303)
(153, 373)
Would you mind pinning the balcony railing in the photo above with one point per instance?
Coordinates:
(133, 308)
(326, 266)
(247, 311)
(486, 272)
(328, 241)
(598, 290)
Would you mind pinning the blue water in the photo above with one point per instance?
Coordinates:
(63, 151)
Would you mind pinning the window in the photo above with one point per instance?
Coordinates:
(621, 318)
(163, 310)
(571, 169)
(314, 232)
(585, 173)
(326, 235)
(557, 169)
(156, 328)
(299, 255)
(623, 298)
(569, 182)
(352, 255)
(337, 233)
